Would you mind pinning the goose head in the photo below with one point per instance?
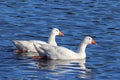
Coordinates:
(89, 40)
(56, 31)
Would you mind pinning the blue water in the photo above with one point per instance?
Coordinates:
(33, 20)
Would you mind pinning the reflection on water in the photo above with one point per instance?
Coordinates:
(62, 67)
(24, 68)
(28, 54)
(53, 64)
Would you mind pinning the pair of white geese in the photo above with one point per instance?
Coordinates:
(51, 50)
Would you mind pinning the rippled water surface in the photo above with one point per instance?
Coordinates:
(33, 20)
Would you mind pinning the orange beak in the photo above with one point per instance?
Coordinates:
(93, 42)
(61, 34)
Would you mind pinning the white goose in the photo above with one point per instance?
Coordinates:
(56, 52)
(27, 45)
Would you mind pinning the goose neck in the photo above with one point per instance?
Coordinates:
(51, 40)
(81, 49)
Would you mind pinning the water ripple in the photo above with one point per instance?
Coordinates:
(33, 20)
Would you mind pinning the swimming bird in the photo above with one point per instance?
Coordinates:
(27, 45)
(58, 52)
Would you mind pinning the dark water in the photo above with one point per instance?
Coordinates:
(33, 19)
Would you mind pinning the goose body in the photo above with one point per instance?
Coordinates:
(57, 52)
(27, 45)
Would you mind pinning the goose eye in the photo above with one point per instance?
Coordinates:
(57, 31)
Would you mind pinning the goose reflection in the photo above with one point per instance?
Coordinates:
(55, 64)
(27, 54)
(60, 67)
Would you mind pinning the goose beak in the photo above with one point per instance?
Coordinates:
(61, 34)
(93, 42)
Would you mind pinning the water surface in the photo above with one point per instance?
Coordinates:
(33, 19)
